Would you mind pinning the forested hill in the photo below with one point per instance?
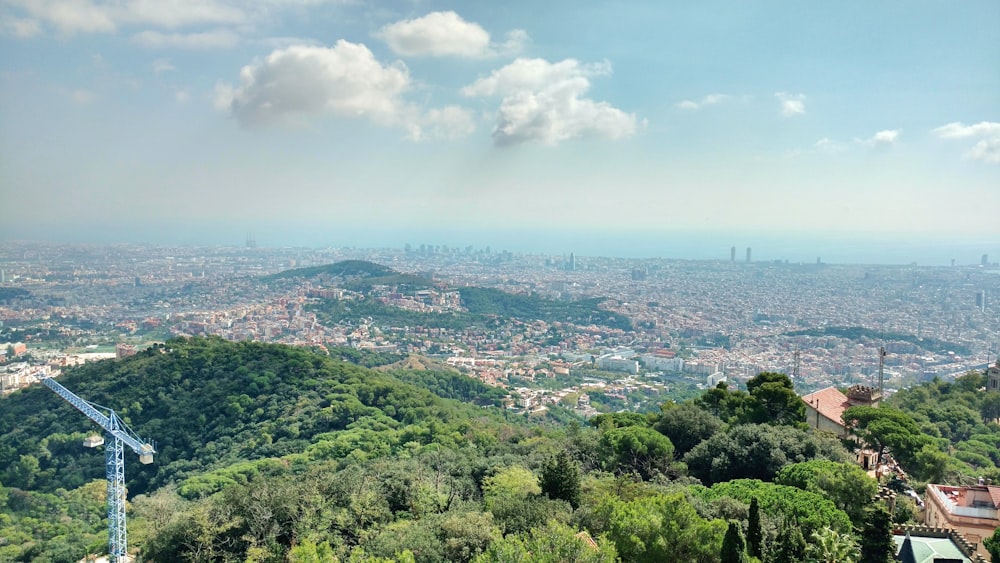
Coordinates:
(481, 303)
(344, 269)
(487, 301)
(356, 275)
(207, 403)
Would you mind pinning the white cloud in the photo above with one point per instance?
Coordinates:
(214, 39)
(709, 100)
(21, 27)
(440, 34)
(885, 137)
(543, 101)
(450, 122)
(828, 146)
(163, 65)
(882, 138)
(92, 16)
(345, 80)
(300, 82)
(82, 97)
(516, 40)
(987, 149)
(182, 96)
(69, 16)
(791, 104)
(174, 14)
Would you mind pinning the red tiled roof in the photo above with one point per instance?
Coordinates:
(994, 495)
(830, 402)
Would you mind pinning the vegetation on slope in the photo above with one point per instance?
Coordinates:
(860, 333)
(300, 457)
(207, 403)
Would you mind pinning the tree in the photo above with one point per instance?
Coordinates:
(887, 428)
(552, 543)
(561, 479)
(757, 451)
(636, 449)
(755, 534)
(686, 425)
(309, 552)
(512, 482)
(730, 406)
(662, 527)
(512, 497)
(876, 537)
(931, 464)
(808, 511)
(775, 400)
(992, 545)
(734, 547)
(990, 407)
(846, 484)
(830, 546)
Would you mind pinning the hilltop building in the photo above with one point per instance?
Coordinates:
(825, 412)
(825, 408)
(972, 511)
(993, 377)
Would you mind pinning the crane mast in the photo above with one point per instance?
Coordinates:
(118, 435)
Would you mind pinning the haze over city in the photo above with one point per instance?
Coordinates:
(855, 132)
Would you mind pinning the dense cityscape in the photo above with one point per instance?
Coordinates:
(691, 323)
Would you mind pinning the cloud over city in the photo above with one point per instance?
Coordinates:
(293, 85)
(544, 101)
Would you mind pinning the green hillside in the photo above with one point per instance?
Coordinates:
(483, 301)
(269, 453)
(207, 403)
(356, 275)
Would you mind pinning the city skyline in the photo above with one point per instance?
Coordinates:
(657, 126)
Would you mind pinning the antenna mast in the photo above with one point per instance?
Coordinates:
(881, 368)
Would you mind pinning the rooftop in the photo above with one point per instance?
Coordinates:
(829, 402)
(928, 549)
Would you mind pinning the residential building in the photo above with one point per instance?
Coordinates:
(972, 511)
(825, 408)
(993, 377)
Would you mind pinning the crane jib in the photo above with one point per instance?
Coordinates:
(119, 435)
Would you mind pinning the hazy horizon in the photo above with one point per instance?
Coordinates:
(803, 248)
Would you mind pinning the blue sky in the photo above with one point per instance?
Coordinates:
(319, 122)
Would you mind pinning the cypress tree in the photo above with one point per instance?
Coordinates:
(561, 479)
(754, 533)
(876, 537)
(734, 547)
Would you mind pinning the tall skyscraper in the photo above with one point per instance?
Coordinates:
(748, 255)
(981, 300)
(986, 260)
(732, 254)
(572, 262)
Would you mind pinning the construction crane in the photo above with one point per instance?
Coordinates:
(118, 435)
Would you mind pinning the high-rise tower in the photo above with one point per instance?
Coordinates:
(732, 254)
(748, 255)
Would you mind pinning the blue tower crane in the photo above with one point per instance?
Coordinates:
(118, 436)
